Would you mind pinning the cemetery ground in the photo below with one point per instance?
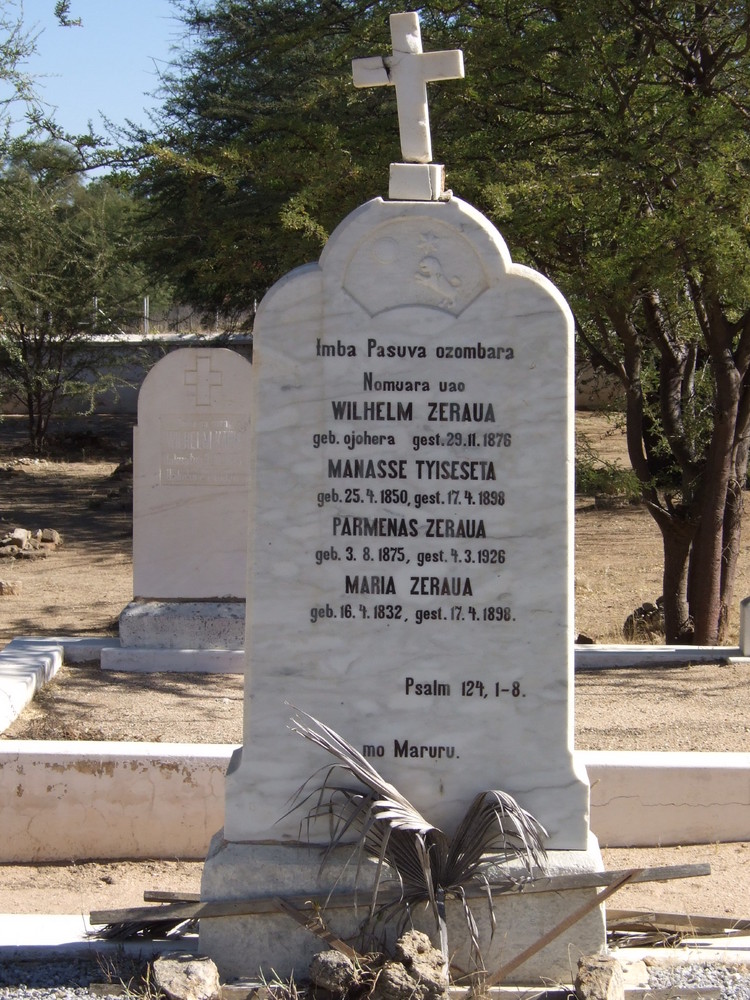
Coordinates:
(81, 588)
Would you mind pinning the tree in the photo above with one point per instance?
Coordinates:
(628, 136)
(62, 13)
(610, 144)
(67, 277)
(16, 45)
(262, 146)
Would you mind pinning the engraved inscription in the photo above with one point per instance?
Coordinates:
(211, 452)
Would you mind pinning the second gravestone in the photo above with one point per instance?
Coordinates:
(190, 502)
(411, 566)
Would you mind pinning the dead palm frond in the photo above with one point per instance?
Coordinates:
(428, 865)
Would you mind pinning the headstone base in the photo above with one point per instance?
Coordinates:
(179, 636)
(184, 624)
(243, 946)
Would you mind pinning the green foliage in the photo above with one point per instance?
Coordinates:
(62, 13)
(597, 477)
(265, 146)
(610, 144)
(16, 86)
(67, 277)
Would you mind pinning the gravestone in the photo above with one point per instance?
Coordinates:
(411, 535)
(190, 510)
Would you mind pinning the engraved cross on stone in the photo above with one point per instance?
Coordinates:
(409, 69)
(203, 378)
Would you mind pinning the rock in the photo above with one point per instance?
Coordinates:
(24, 544)
(332, 971)
(124, 470)
(423, 962)
(186, 977)
(10, 588)
(19, 538)
(646, 622)
(395, 983)
(584, 640)
(599, 978)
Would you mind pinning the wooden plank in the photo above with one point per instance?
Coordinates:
(650, 920)
(312, 921)
(259, 905)
(578, 914)
(163, 896)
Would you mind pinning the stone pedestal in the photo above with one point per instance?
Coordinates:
(276, 943)
(179, 636)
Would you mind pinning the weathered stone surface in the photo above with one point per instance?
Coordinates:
(599, 978)
(186, 977)
(395, 983)
(332, 971)
(646, 622)
(190, 472)
(423, 962)
(368, 289)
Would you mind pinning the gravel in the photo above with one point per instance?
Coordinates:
(732, 981)
(64, 979)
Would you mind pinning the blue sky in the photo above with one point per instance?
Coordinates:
(109, 65)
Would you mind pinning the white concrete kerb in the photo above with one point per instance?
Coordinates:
(25, 666)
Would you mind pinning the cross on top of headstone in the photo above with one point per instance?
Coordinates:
(409, 69)
(203, 377)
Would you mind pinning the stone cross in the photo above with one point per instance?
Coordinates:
(203, 378)
(409, 69)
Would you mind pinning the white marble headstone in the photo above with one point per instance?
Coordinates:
(190, 477)
(411, 524)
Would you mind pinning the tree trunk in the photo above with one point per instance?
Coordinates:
(730, 553)
(677, 537)
(705, 590)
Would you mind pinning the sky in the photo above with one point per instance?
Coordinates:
(108, 66)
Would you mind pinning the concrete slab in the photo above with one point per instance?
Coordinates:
(84, 649)
(155, 660)
(28, 937)
(109, 800)
(243, 945)
(604, 657)
(642, 799)
(25, 666)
